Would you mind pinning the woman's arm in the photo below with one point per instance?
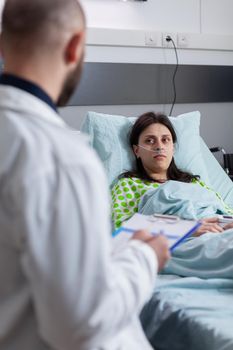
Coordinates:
(212, 224)
(228, 209)
(126, 195)
(124, 202)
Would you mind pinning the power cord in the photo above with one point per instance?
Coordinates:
(168, 39)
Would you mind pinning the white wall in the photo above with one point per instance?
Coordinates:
(1, 7)
(181, 15)
(192, 16)
(113, 25)
(216, 16)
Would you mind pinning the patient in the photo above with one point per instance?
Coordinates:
(152, 140)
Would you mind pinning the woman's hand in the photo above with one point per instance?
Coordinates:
(209, 225)
(228, 226)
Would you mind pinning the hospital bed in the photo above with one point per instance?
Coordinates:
(227, 160)
(191, 308)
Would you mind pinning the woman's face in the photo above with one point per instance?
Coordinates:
(158, 148)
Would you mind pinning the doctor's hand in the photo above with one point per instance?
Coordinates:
(208, 225)
(159, 244)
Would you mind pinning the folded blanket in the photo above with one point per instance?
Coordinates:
(189, 201)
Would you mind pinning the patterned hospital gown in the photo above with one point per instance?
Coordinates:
(127, 192)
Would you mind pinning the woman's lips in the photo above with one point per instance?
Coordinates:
(159, 156)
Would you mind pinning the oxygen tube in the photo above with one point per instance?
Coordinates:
(158, 151)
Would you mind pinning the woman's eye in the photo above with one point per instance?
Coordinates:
(150, 141)
(166, 139)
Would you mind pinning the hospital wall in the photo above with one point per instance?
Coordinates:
(202, 17)
(193, 16)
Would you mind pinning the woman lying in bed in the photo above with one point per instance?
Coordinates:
(152, 140)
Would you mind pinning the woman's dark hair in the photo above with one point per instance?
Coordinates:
(173, 173)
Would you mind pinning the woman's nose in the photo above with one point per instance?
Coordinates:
(158, 144)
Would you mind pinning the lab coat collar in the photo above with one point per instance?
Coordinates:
(26, 85)
(28, 105)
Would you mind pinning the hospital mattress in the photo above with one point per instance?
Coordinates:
(190, 313)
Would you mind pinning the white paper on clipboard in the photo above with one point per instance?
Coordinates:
(175, 229)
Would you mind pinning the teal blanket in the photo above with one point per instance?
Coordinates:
(190, 313)
(187, 200)
(207, 256)
(192, 304)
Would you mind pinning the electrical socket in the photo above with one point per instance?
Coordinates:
(166, 43)
(182, 40)
(151, 39)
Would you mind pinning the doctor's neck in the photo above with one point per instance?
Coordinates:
(46, 79)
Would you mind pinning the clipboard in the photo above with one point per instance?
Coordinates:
(174, 228)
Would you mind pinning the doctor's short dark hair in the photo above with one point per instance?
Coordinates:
(173, 172)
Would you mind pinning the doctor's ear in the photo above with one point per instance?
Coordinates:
(74, 48)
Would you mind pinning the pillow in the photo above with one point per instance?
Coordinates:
(109, 136)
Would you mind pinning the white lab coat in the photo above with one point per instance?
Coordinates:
(60, 287)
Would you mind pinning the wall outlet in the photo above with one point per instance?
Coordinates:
(182, 40)
(151, 39)
(166, 43)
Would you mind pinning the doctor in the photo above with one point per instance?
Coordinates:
(60, 286)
